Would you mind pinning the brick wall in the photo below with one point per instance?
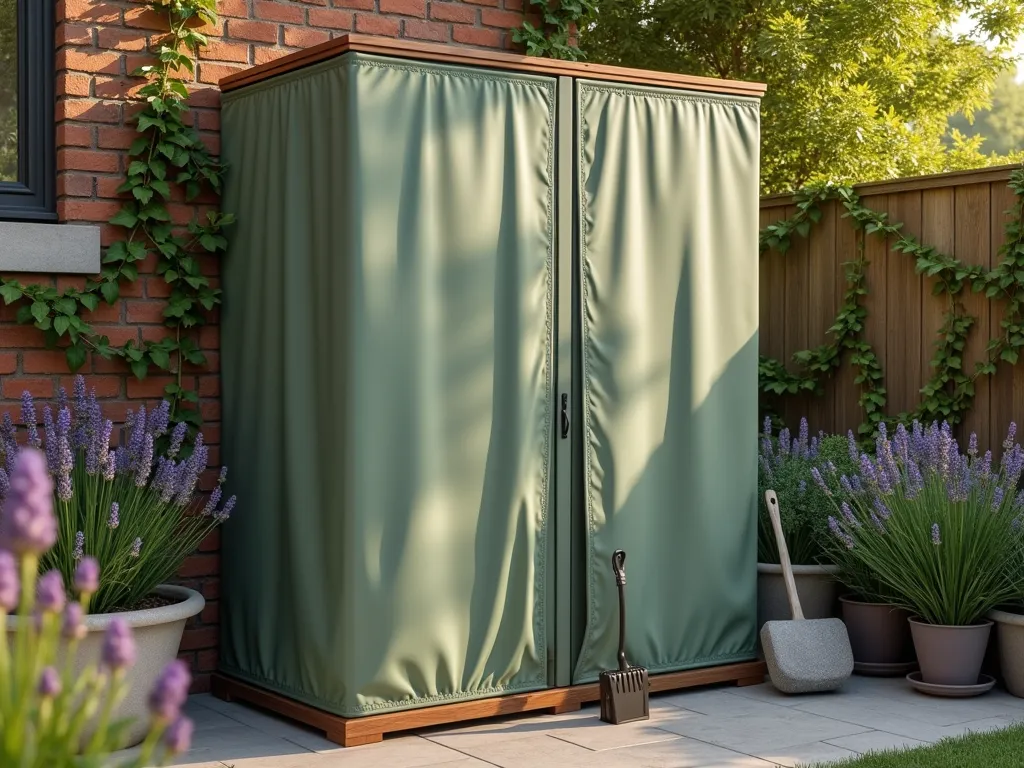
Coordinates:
(98, 44)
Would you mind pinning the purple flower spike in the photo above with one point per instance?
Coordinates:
(997, 498)
(972, 445)
(852, 444)
(145, 462)
(214, 500)
(177, 437)
(27, 523)
(49, 683)
(50, 594)
(803, 434)
(223, 476)
(225, 513)
(901, 443)
(74, 627)
(5, 484)
(79, 551)
(847, 511)
(159, 418)
(1011, 436)
(118, 645)
(878, 523)
(28, 418)
(136, 548)
(844, 481)
(9, 582)
(784, 441)
(915, 483)
(115, 516)
(110, 467)
(820, 481)
(881, 509)
(839, 533)
(170, 691)
(87, 576)
(767, 426)
(178, 736)
(936, 540)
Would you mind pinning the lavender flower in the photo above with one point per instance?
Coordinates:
(986, 466)
(178, 736)
(5, 484)
(901, 443)
(50, 429)
(936, 540)
(1011, 436)
(27, 523)
(145, 462)
(118, 645)
(50, 594)
(881, 509)
(803, 435)
(170, 691)
(79, 550)
(190, 472)
(844, 481)
(28, 418)
(62, 398)
(839, 533)
(87, 576)
(847, 510)
(820, 481)
(115, 516)
(9, 583)
(8, 441)
(73, 627)
(214, 499)
(852, 443)
(65, 457)
(177, 437)
(915, 483)
(49, 683)
(767, 426)
(137, 438)
(102, 441)
(223, 476)
(858, 486)
(815, 447)
(972, 445)
(1013, 465)
(761, 460)
(225, 512)
(867, 471)
(884, 483)
(136, 549)
(110, 466)
(997, 498)
(159, 419)
(784, 441)
(878, 523)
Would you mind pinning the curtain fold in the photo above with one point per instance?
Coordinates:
(668, 214)
(387, 374)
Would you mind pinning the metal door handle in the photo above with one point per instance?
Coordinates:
(565, 416)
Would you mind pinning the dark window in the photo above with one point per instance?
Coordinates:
(27, 176)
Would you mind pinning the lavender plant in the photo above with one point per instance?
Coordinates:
(786, 466)
(52, 716)
(930, 529)
(135, 509)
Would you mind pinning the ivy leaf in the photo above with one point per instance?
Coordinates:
(61, 324)
(1010, 356)
(137, 167)
(75, 355)
(89, 301)
(159, 168)
(67, 306)
(161, 359)
(125, 218)
(110, 291)
(140, 368)
(138, 146)
(162, 187)
(143, 194)
(147, 121)
(40, 311)
(11, 293)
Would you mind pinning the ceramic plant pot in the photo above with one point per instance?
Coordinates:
(157, 633)
(815, 584)
(950, 655)
(879, 636)
(1010, 639)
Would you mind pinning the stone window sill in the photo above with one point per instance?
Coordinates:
(57, 248)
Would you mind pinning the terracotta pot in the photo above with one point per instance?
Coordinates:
(950, 655)
(157, 633)
(879, 633)
(815, 584)
(1010, 631)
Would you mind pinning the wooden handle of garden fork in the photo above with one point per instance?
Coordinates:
(772, 502)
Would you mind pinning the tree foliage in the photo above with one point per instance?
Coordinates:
(1002, 125)
(857, 89)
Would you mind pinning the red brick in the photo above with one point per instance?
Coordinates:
(88, 111)
(212, 73)
(457, 12)
(261, 54)
(110, 137)
(492, 3)
(204, 97)
(275, 11)
(106, 187)
(212, 541)
(22, 336)
(200, 565)
(145, 18)
(336, 19)
(145, 312)
(86, 210)
(151, 386)
(204, 637)
(121, 39)
(487, 38)
(206, 661)
(207, 120)
(210, 614)
(257, 31)
(157, 288)
(209, 386)
(404, 7)
(74, 84)
(70, 281)
(202, 682)
(87, 160)
(505, 19)
(74, 135)
(210, 410)
(106, 313)
(514, 5)
(73, 34)
(13, 387)
(105, 386)
(239, 8)
(117, 88)
(118, 336)
(49, 361)
(209, 337)
(211, 587)
(426, 30)
(74, 185)
(8, 362)
(376, 25)
(304, 37)
(314, 2)
(91, 11)
(218, 50)
(99, 62)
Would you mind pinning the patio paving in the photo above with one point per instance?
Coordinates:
(725, 726)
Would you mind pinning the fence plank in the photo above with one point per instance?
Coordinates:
(796, 313)
(848, 412)
(876, 327)
(903, 310)
(1007, 388)
(822, 308)
(973, 243)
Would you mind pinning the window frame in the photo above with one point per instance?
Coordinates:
(33, 197)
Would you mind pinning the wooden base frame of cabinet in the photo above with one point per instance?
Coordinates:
(355, 731)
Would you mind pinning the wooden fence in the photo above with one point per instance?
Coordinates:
(960, 213)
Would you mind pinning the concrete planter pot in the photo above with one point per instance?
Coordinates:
(950, 656)
(157, 633)
(879, 636)
(1010, 639)
(815, 584)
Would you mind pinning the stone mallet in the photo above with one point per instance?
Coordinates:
(803, 655)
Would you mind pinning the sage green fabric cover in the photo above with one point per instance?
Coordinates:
(387, 372)
(669, 217)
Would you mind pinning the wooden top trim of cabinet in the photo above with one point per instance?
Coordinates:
(482, 58)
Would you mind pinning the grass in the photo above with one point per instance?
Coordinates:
(997, 749)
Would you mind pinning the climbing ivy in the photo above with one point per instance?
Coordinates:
(949, 392)
(556, 35)
(167, 154)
